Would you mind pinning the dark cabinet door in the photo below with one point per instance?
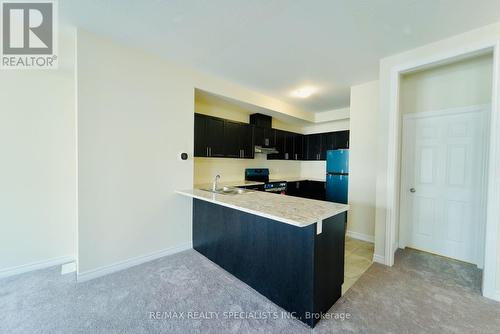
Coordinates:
(238, 140)
(329, 141)
(285, 144)
(342, 139)
(246, 141)
(293, 188)
(280, 146)
(265, 137)
(298, 147)
(217, 137)
(316, 190)
(258, 136)
(289, 146)
(214, 136)
(313, 147)
(231, 139)
(200, 143)
(307, 189)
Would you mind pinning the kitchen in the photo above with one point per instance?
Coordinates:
(196, 162)
(231, 137)
(251, 167)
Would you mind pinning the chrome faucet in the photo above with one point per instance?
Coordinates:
(215, 185)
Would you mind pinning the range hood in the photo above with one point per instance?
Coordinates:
(263, 122)
(265, 150)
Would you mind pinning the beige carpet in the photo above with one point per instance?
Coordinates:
(422, 293)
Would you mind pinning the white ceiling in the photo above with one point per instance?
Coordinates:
(275, 46)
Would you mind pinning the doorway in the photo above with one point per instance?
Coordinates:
(443, 182)
(390, 185)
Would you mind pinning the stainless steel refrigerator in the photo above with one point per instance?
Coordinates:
(337, 175)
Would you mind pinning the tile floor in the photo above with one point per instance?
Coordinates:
(358, 258)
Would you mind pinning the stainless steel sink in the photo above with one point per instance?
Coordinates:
(228, 191)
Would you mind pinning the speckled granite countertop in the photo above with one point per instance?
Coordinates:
(287, 209)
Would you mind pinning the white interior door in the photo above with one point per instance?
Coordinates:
(443, 168)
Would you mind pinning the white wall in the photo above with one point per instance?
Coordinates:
(363, 159)
(332, 115)
(38, 162)
(135, 116)
(460, 43)
(338, 125)
(458, 84)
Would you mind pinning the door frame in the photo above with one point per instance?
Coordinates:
(393, 158)
(404, 220)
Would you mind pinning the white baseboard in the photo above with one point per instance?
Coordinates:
(36, 266)
(361, 236)
(105, 270)
(379, 259)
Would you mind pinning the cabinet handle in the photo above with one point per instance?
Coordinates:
(296, 156)
(207, 151)
(210, 151)
(242, 153)
(266, 142)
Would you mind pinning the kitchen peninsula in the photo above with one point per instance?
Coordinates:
(289, 249)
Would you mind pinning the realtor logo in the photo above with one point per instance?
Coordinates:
(28, 34)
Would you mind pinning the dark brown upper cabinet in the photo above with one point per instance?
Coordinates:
(313, 146)
(208, 139)
(220, 138)
(298, 147)
(342, 139)
(232, 140)
(217, 137)
(279, 145)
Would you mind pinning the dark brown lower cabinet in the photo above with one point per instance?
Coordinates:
(307, 189)
(295, 267)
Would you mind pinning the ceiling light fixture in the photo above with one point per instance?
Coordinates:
(304, 92)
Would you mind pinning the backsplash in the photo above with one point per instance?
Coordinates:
(205, 169)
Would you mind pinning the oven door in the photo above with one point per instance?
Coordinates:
(276, 187)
